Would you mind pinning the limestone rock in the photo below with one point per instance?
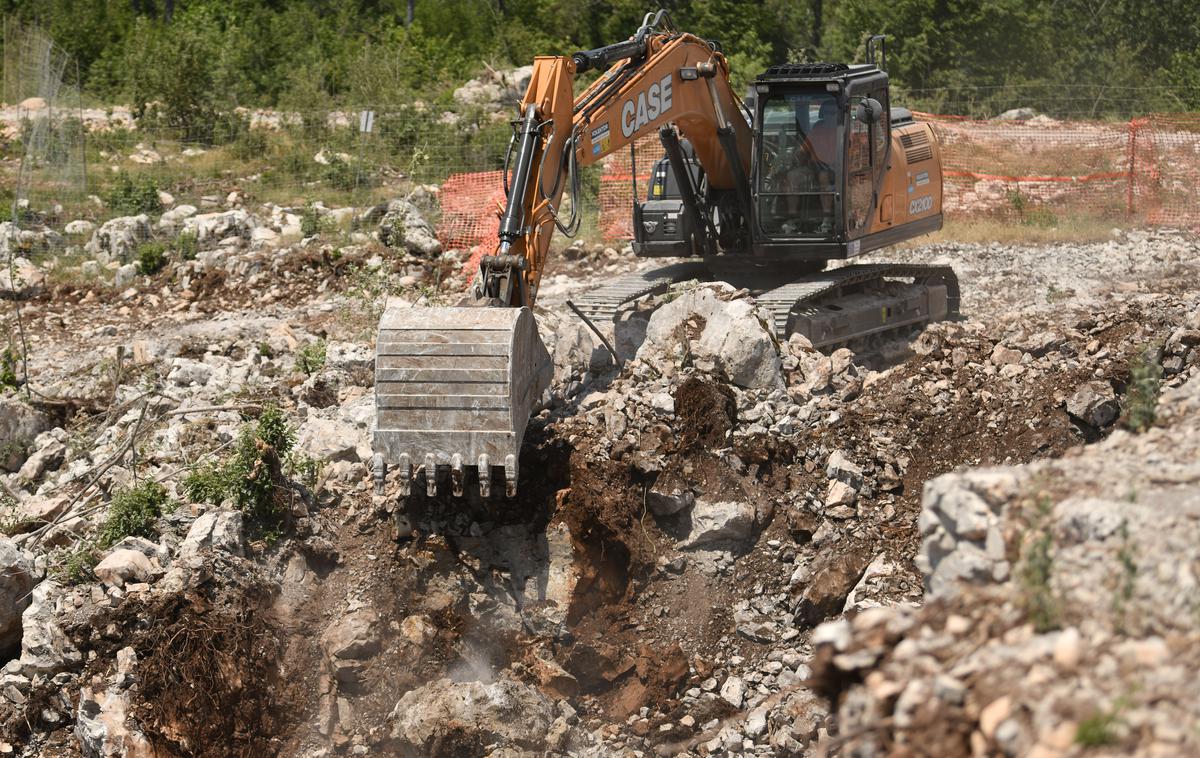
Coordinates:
(720, 521)
(118, 239)
(404, 228)
(1094, 404)
(121, 566)
(16, 580)
(499, 713)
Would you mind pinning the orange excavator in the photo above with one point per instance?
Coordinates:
(813, 167)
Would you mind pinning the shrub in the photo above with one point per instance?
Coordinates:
(188, 245)
(1097, 730)
(341, 174)
(1035, 570)
(11, 522)
(1145, 382)
(8, 369)
(76, 566)
(254, 477)
(311, 221)
(311, 358)
(151, 257)
(133, 512)
(130, 196)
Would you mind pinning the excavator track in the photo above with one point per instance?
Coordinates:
(602, 303)
(816, 305)
(810, 304)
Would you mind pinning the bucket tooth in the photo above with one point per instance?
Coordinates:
(378, 472)
(406, 475)
(454, 386)
(456, 475)
(510, 476)
(430, 476)
(485, 476)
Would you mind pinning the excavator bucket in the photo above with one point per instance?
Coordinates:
(454, 388)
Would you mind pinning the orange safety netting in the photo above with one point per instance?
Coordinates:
(471, 208)
(1165, 153)
(1004, 168)
(1146, 170)
(617, 186)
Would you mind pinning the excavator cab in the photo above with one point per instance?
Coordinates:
(834, 173)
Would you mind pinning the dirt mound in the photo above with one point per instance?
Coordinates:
(208, 683)
(705, 413)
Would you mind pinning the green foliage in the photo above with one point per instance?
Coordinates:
(75, 566)
(8, 369)
(188, 245)
(130, 195)
(11, 522)
(974, 56)
(311, 357)
(254, 476)
(1145, 382)
(151, 257)
(133, 512)
(1035, 570)
(1098, 730)
(1127, 580)
(312, 221)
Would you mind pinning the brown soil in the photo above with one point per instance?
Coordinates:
(705, 412)
(208, 683)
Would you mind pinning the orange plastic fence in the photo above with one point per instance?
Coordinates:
(471, 207)
(1144, 171)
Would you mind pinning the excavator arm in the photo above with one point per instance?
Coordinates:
(657, 78)
(455, 386)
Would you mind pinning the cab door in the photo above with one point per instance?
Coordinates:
(866, 154)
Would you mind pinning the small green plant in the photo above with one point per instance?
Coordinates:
(8, 369)
(11, 521)
(1035, 570)
(339, 174)
(1127, 582)
(132, 513)
(255, 476)
(1056, 295)
(1145, 382)
(311, 221)
(151, 257)
(76, 566)
(311, 357)
(130, 196)
(1098, 730)
(188, 244)
(264, 349)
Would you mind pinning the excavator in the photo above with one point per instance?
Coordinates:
(813, 167)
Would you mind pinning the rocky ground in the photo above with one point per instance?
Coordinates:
(976, 539)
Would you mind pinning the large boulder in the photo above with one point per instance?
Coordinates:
(118, 239)
(503, 713)
(20, 280)
(403, 227)
(716, 522)
(730, 335)
(45, 648)
(211, 228)
(16, 580)
(20, 424)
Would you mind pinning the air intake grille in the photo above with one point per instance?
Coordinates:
(916, 147)
(804, 69)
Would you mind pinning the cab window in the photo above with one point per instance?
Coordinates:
(798, 163)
